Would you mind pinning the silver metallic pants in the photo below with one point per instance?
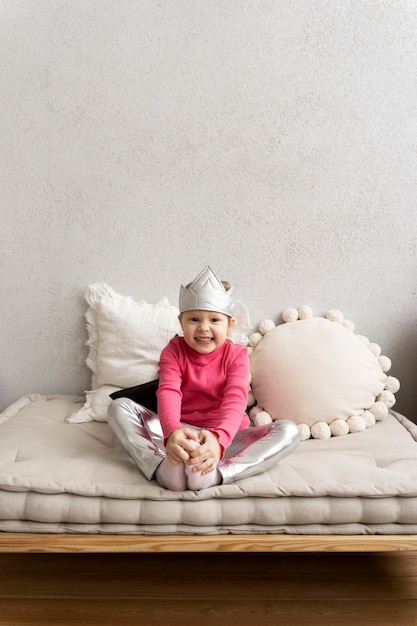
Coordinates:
(252, 451)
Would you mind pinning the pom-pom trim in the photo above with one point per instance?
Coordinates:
(338, 427)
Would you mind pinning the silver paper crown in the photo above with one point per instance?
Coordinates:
(207, 293)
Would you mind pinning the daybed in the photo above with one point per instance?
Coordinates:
(67, 485)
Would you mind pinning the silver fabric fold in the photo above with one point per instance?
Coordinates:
(252, 451)
(139, 432)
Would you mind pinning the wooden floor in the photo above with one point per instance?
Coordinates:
(209, 589)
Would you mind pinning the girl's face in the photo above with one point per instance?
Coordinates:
(205, 331)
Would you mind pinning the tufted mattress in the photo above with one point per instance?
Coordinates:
(58, 477)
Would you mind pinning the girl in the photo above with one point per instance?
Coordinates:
(201, 435)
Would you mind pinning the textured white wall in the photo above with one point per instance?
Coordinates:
(142, 139)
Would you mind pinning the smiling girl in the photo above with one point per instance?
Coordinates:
(201, 435)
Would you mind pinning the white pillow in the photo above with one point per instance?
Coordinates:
(320, 374)
(125, 339)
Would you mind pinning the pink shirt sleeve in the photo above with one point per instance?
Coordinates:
(232, 414)
(169, 390)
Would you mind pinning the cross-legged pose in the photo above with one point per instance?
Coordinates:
(201, 434)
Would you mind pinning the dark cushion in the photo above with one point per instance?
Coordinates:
(144, 394)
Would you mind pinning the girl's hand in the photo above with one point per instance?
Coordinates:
(179, 445)
(207, 455)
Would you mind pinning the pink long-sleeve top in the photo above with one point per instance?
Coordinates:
(205, 390)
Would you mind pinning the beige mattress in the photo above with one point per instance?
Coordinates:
(61, 477)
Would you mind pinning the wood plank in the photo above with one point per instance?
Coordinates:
(221, 576)
(247, 564)
(32, 542)
(214, 588)
(181, 588)
(207, 613)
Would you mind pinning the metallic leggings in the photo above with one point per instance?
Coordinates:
(252, 451)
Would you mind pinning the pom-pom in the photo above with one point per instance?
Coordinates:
(339, 427)
(364, 339)
(254, 339)
(374, 348)
(290, 315)
(385, 363)
(305, 312)
(356, 424)
(254, 411)
(266, 326)
(379, 410)
(387, 398)
(335, 316)
(349, 325)
(321, 430)
(369, 418)
(262, 419)
(392, 384)
(304, 431)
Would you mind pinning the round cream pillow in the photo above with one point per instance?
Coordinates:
(316, 371)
